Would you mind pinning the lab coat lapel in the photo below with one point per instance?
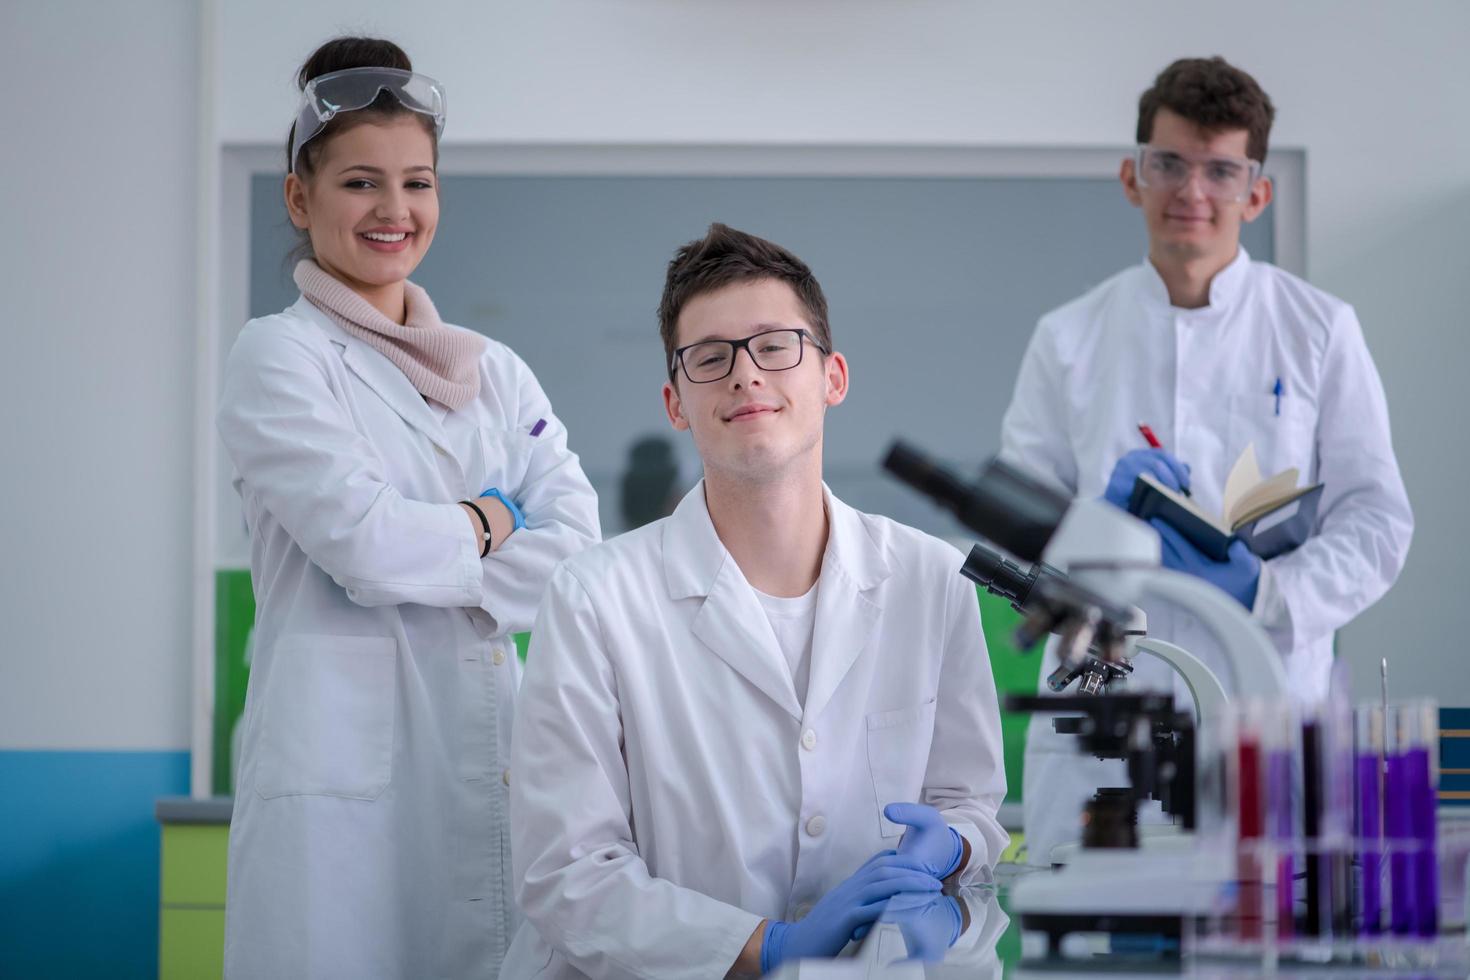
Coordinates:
(846, 616)
(730, 621)
(383, 377)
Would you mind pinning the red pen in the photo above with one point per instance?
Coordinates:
(1153, 442)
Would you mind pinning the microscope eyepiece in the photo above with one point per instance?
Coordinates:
(1000, 577)
(1004, 505)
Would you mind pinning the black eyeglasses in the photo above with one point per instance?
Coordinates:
(771, 350)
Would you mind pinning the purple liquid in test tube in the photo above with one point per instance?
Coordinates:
(1368, 820)
(1421, 818)
(1279, 818)
(1398, 827)
(1370, 835)
(1409, 805)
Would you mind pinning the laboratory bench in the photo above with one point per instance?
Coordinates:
(192, 916)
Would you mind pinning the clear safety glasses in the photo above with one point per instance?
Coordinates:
(1220, 178)
(357, 88)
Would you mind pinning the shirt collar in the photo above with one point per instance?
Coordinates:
(694, 554)
(1224, 288)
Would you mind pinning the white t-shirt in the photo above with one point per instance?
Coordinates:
(793, 621)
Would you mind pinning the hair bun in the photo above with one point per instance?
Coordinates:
(341, 53)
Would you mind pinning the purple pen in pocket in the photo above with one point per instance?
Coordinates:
(539, 427)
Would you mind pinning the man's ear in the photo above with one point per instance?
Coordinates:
(295, 192)
(1261, 195)
(674, 406)
(1128, 177)
(835, 369)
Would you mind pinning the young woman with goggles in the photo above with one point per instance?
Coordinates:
(408, 490)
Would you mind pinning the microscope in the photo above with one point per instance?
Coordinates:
(1090, 563)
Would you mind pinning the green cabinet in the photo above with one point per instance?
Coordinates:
(191, 915)
(191, 943)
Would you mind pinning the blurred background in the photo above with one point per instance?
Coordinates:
(947, 168)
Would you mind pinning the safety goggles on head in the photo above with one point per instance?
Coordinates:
(357, 88)
(1221, 178)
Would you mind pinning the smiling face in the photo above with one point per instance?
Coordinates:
(1184, 223)
(371, 204)
(754, 424)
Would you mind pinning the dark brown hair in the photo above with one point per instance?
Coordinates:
(723, 257)
(1214, 95)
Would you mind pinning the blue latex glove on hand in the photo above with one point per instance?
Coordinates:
(1160, 465)
(1239, 575)
(510, 505)
(930, 924)
(929, 842)
(856, 902)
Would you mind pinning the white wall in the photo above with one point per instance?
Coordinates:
(97, 192)
(99, 199)
(1375, 93)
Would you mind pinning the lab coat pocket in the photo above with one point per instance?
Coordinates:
(1282, 441)
(505, 458)
(327, 727)
(898, 755)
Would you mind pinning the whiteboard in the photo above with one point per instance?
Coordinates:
(934, 285)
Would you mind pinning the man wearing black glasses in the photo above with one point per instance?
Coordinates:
(734, 717)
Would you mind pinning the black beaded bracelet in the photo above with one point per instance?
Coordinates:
(484, 522)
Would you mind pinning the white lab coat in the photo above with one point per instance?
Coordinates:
(669, 791)
(370, 833)
(1204, 380)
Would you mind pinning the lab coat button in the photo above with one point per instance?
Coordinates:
(816, 825)
(800, 912)
(808, 739)
(505, 777)
(499, 657)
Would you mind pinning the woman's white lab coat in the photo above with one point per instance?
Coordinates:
(370, 833)
(1205, 380)
(670, 790)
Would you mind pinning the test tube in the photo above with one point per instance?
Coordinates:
(1312, 804)
(1250, 822)
(1409, 804)
(1423, 745)
(1281, 815)
(1337, 814)
(1368, 822)
(1218, 809)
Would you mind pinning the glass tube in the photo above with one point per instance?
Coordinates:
(1409, 805)
(1368, 817)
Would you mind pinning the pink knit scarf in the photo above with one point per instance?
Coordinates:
(441, 362)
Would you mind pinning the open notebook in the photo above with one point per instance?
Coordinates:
(1271, 515)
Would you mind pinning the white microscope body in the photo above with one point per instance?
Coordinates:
(1116, 556)
(1092, 565)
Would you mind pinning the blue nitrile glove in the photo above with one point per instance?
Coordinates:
(930, 924)
(856, 902)
(1238, 575)
(510, 505)
(1162, 466)
(929, 842)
